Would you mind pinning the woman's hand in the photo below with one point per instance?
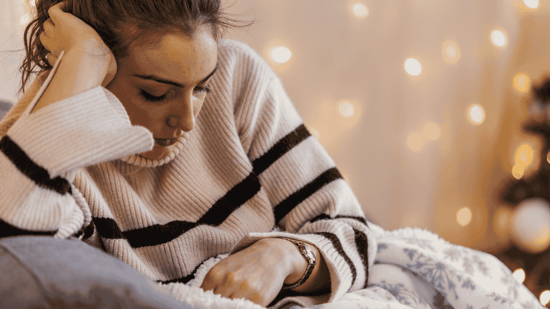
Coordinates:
(65, 32)
(256, 273)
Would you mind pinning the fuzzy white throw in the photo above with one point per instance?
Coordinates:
(414, 269)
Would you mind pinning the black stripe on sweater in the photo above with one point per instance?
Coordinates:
(327, 217)
(362, 244)
(232, 200)
(107, 228)
(184, 279)
(30, 169)
(284, 145)
(284, 207)
(8, 230)
(338, 246)
(159, 234)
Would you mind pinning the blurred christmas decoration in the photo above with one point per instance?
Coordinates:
(531, 225)
(529, 222)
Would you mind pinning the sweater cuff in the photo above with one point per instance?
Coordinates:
(340, 274)
(83, 130)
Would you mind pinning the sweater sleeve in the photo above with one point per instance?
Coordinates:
(42, 152)
(311, 200)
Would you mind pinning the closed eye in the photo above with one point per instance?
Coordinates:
(205, 89)
(151, 98)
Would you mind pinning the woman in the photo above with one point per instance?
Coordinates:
(166, 146)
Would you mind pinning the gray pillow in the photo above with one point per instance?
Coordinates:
(4, 108)
(44, 272)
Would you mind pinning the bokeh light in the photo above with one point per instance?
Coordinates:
(522, 82)
(498, 38)
(501, 222)
(360, 10)
(413, 67)
(517, 171)
(524, 155)
(431, 131)
(464, 216)
(519, 275)
(346, 109)
(281, 54)
(25, 19)
(344, 175)
(476, 114)
(415, 142)
(314, 132)
(532, 4)
(451, 52)
(545, 297)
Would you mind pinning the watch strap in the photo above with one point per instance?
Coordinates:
(309, 256)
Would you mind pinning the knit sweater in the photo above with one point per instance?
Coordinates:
(71, 169)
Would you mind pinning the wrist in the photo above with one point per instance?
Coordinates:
(293, 262)
(309, 255)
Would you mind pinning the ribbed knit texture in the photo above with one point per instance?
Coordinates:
(248, 166)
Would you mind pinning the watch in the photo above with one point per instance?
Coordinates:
(309, 255)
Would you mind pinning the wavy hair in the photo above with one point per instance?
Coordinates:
(121, 22)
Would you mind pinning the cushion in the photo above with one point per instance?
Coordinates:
(44, 272)
(4, 108)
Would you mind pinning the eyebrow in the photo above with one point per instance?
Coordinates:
(169, 82)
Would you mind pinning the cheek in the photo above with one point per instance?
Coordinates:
(139, 112)
(197, 106)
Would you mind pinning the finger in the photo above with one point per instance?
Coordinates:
(45, 40)
(56, 11)
(48, 27)
(52, 60)
(223, 290)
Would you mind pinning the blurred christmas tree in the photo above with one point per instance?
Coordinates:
(529, 256)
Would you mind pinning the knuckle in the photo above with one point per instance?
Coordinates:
(230, 277)
(257, 298)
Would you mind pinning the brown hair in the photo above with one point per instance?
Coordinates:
(121, 22)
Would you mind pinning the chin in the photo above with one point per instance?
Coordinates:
(158, 152)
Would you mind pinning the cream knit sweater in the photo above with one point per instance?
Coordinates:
(250, 165)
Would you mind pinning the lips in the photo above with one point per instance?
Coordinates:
(165, 142)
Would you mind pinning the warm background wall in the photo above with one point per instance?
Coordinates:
(430, 150)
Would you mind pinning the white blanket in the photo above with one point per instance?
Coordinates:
(414, 268)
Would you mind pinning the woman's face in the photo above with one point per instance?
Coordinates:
(164, 86)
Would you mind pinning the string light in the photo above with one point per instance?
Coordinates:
(431, 131)
(346, 109)
(415, 142)
(498, 38)
(532, 4)
(280, 54)
(476, 114)
(360, 10)
(545, 297)
(519, 275)
(524, 155)
(517, 171)
(522, 82)
(464, 216)
(451, 52)
(413, 67)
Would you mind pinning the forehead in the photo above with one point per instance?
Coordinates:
(175, 56)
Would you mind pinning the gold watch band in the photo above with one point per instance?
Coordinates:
(309, 256)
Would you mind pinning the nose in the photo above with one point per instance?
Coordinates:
(182, 116)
